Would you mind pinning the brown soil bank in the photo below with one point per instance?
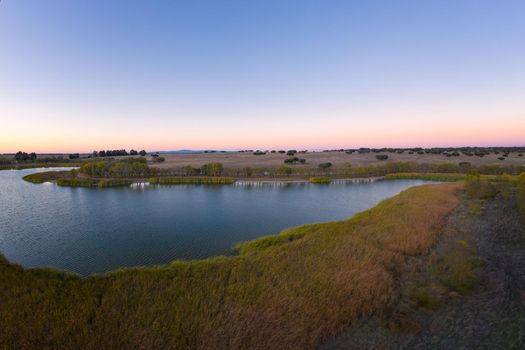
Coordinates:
(282, 292)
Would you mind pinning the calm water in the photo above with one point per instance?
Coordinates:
(95, 230)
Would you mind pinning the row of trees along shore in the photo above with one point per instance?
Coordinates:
(118, 152)
(137, 167)
(21, 157)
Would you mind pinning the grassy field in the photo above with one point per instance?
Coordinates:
(338, 159)
(288, 291)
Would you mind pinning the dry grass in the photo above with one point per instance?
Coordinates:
(285, 293)
(313, 159)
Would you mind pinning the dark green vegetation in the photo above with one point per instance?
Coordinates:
(23, 160)
(191, 180)
(325, 166)
(320, 180)
(286, 291)
(294, 160)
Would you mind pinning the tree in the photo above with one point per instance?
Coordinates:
(74, 156)
(325, 166)
(158, 159)
(95, 154)
(283, 170)
(133, 152)
(142, 153)
(212, 169)
(21, 156)
(102, 153)
(32, 156)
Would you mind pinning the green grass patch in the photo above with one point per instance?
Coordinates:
(458, 268)
(320, 180)
(265, 242)
(191, 180)
(423, 298)
(42, 177)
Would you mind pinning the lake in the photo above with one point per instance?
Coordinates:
(87, 231)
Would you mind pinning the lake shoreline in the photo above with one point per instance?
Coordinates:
(76, 179)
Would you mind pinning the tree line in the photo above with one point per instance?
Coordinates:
(118, 152)
(130, 167)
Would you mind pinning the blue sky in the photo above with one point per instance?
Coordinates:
(81, 75)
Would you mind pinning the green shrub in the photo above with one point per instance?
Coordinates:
(423, 298)
(381, 157)
(325, 166)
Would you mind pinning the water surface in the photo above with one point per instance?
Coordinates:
(88, 231)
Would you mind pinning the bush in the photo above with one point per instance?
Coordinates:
(158, 159)
(325, 166)
(259, 153)
(283, 170)
(320, 180)
(212, 169)
(381, 157)
(294, 160)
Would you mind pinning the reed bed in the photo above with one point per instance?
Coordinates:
(320, 180)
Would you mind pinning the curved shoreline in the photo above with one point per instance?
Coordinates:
(286, 291)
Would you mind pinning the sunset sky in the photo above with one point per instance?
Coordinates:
(165, 75)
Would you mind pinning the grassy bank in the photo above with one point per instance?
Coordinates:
(191, 180)
(93, 182)
(450, 177)
(320, 180)
(285, 291)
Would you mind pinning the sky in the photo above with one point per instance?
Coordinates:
(165, 75)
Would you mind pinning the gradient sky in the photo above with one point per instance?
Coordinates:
(194, 74)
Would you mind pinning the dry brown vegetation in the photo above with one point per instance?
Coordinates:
(280, 294)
